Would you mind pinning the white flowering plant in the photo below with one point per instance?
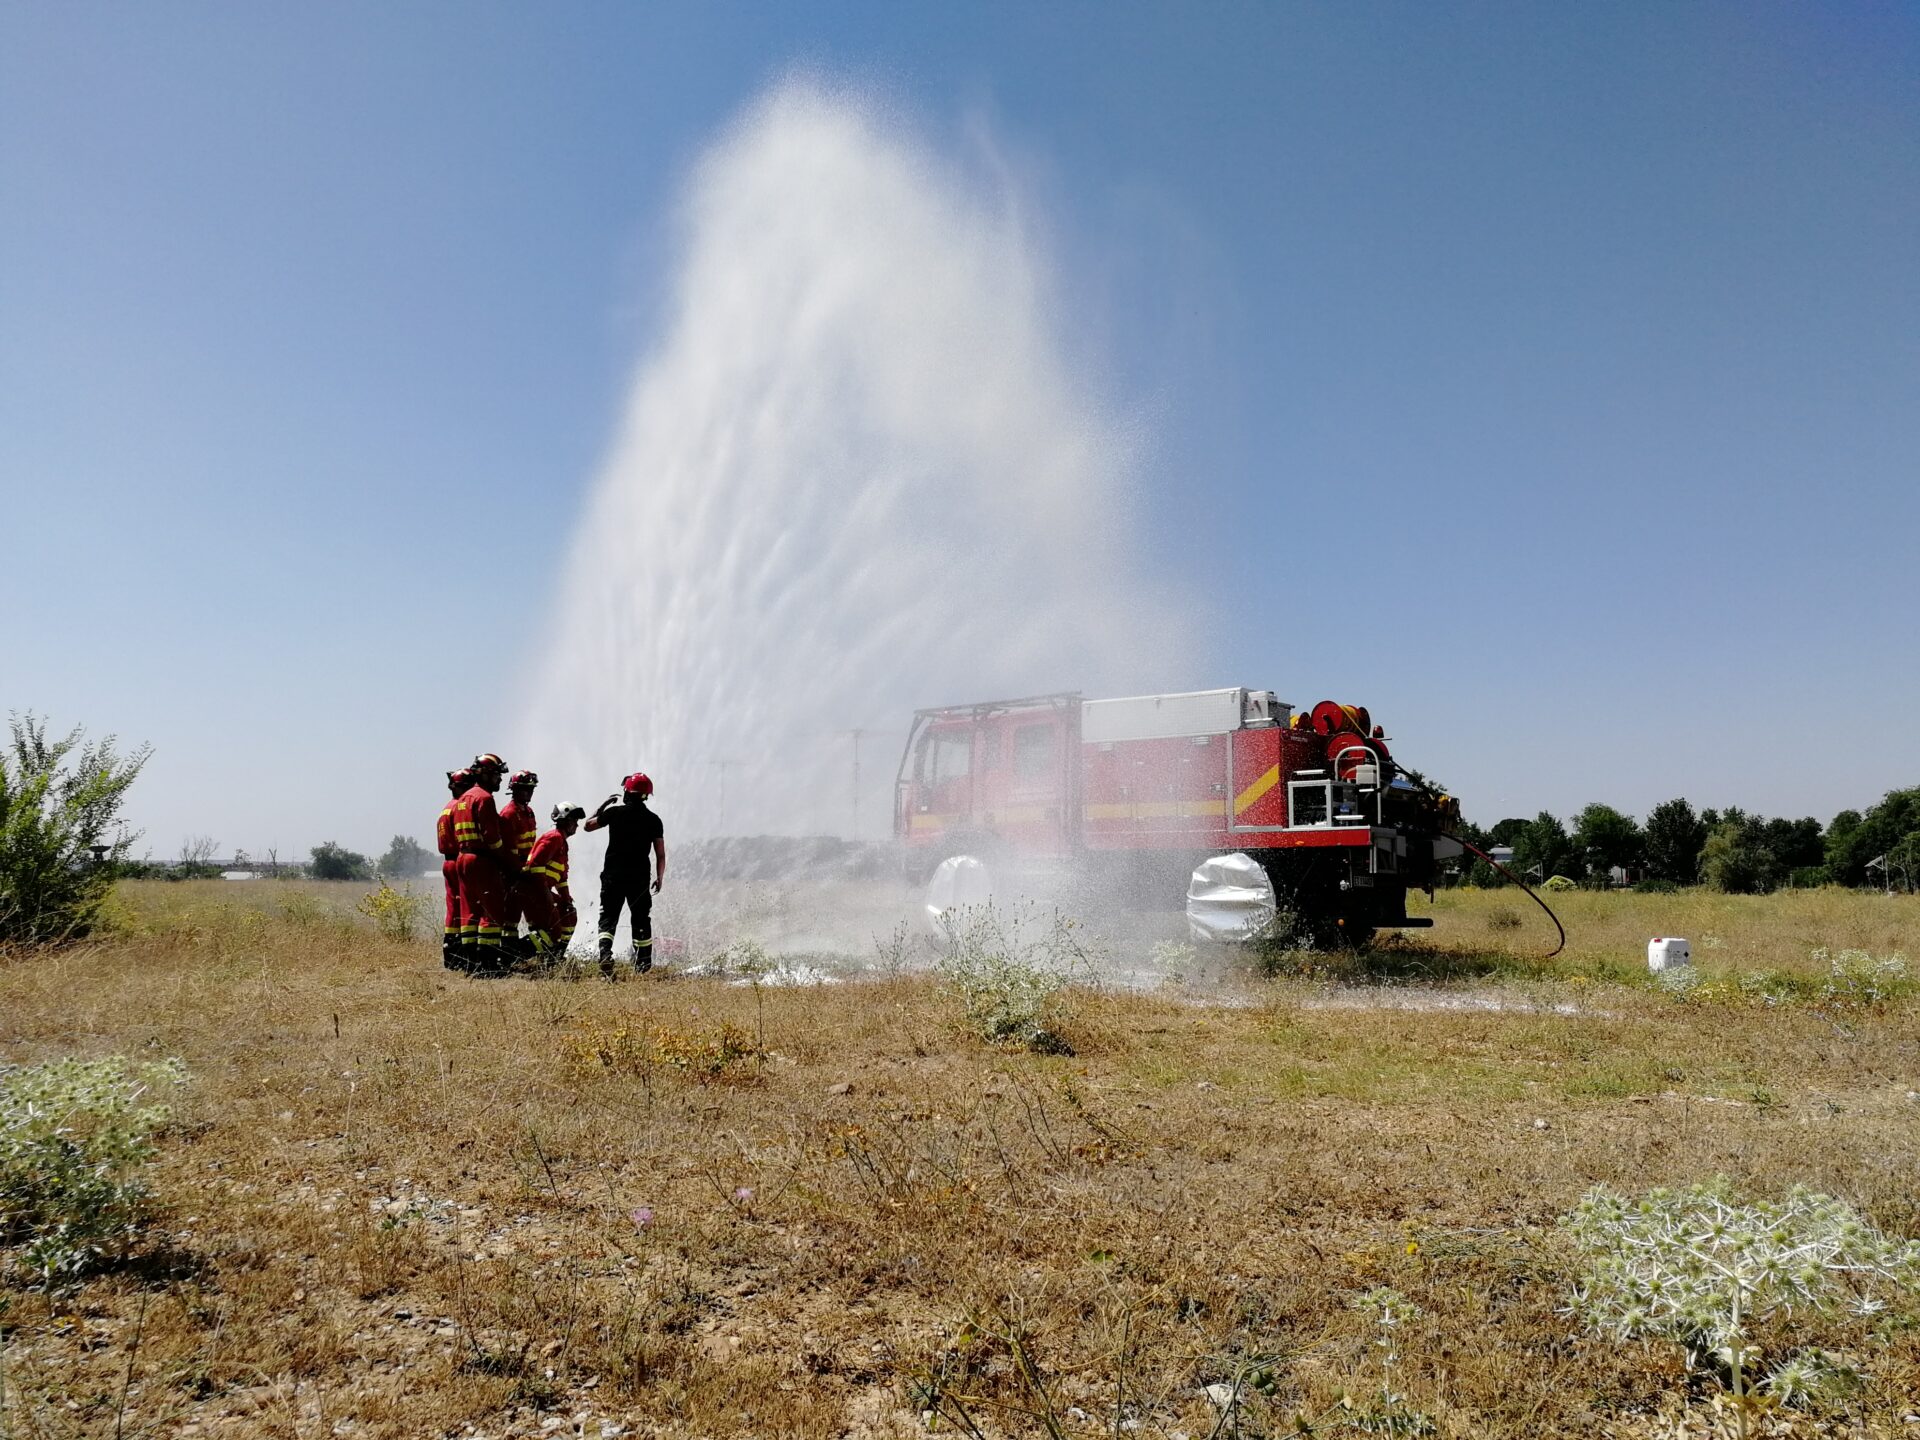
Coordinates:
(1705, 1269)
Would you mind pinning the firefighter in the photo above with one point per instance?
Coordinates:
(635, 831)
(551, 915)
(453, 951)
(519, 824)
(486, 864)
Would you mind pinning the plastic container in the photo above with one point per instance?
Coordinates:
(1666, 952)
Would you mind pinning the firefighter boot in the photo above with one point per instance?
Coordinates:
(606, 957)
(642, 959)
(450, 955)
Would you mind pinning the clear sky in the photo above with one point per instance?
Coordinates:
(1546, 378)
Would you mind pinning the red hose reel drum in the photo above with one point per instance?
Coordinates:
(1330, 717)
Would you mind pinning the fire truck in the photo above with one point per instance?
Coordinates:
(1152, 790)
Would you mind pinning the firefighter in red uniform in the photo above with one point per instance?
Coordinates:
(634, 832)
(486, 864)
(453, 953)
(549, 900)
(519, 824)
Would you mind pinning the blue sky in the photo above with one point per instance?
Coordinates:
(1545, 378)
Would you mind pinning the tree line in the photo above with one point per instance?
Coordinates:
(1729, 850)
(405, 858)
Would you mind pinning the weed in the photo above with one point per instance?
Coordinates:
(1010, 971)
(894, 955)
(1857, 980)
(1853, 980)
(707, 1053)
(1502, 918)
(1389, 1413)
(72, 1134)
(1697, 1267)
(395, 913)
(747, 959)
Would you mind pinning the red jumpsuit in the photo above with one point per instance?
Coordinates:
(550, 910)
(450, 872)
(485, 868)
(518, 826)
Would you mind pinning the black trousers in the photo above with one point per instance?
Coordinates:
(633, 892)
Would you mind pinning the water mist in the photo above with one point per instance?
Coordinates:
(855, 477)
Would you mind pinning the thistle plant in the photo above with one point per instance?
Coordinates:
(1389, 1415)
(73, 1134)
(1700, 1268)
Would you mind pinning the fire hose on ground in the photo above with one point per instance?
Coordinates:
(1469, 845)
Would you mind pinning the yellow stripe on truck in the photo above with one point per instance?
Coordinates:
(1250, 796)
(1156, 809)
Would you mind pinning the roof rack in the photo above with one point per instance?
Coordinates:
(980, 709)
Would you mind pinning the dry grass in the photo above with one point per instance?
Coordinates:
(403, 1204)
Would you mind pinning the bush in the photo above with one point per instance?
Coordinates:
(334, 862)
(395, 913)
(1009, 972)
(1655, 887)
(72, 1134)
(58, 800)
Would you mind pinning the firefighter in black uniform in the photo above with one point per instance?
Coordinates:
(633, 832)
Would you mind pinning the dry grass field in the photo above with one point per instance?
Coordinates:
(395, 1202)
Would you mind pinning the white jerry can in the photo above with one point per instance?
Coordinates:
(1668, 953)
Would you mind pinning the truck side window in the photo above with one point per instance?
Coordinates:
(952, 755)
(1033, 752)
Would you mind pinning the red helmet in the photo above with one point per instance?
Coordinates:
(637, 784)
(488, 761)
(523, 777)
(458, 780)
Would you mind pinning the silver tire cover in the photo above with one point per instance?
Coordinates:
(1229, 899)
(957, 881)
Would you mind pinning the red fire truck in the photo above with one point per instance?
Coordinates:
(1149, 787)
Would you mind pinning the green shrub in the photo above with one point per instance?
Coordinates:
(1558, 884)
(395, 913)
(1010, 971)
(334, 862)
(72, 1135)
(58, 801)
(1655, 887)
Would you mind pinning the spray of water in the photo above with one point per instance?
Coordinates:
(855, 477)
